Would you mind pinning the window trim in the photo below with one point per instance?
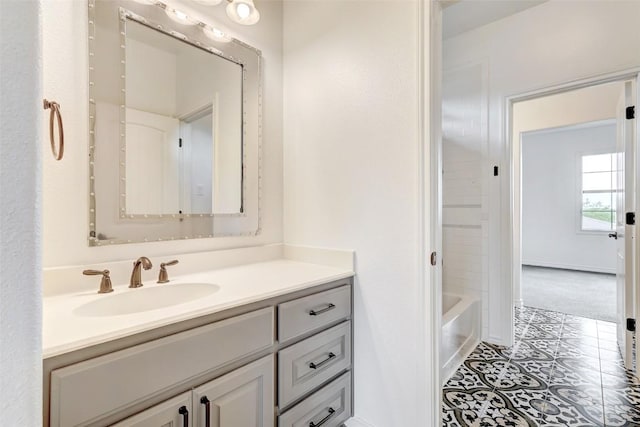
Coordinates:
(579, 192)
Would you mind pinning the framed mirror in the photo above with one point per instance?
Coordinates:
(174, 127)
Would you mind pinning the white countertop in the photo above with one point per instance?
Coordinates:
(64, 331)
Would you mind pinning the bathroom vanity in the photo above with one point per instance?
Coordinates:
(247, 355)
(174, 153)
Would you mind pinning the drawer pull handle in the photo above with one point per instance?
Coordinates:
(207, 411)
(325, 419)
(319, 364)
(324, 310)
(185, 415)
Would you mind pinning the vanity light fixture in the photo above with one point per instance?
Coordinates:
(243, 12)
(209, 2)
(215, 34)
(179, 16)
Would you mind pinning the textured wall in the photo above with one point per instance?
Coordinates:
(352, 180)
(551, 235)
(20, 210)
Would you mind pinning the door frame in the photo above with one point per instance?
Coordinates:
(431, 134)
(512, 267)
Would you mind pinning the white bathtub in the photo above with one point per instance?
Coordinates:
(460, 331)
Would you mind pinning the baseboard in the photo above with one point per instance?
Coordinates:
(590, 268)
(518, 302)
(357, 422)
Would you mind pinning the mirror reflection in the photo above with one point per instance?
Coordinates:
(175, 118)
(183, 127)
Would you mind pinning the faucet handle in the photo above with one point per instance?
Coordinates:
(163, 277)
(105, 283)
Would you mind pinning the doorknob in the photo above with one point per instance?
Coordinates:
(614, 235)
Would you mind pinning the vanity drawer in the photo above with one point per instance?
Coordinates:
(310, 363)
(332, 404)
(87, 391)
(307, 314)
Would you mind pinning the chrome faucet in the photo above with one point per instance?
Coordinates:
(136, 274)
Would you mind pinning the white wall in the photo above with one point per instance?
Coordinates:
(551, 222)
(352, 180)
(20, 214)
(553, 43)
(65, 184)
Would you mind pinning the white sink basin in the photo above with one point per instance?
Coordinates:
(145, 299)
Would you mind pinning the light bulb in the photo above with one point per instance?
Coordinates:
(216, 34)
(179, 16)
(243, 10)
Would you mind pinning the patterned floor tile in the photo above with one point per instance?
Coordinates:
(568, 349)
(530, 375)
(449, 418)
(581, 329)
(465, 378)
(563, 370)
(528, 403)
(475, 400)
(535, 332)
(579, 341)
(569, 406)
(579, 363)
(543, 350)
(486, 351)
(565, 376)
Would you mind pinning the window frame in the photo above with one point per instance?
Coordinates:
(579, 193)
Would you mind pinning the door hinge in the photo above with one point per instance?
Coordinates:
(631, 325)
(630, 218)
(434, 258)
(180, 142)
(631, 112)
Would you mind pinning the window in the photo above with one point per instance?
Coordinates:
(599, 192)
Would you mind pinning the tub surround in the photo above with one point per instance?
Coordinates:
(461, 328)
(265, 274)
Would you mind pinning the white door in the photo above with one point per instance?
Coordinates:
(175, 412)
(152, 163)
(625, 202)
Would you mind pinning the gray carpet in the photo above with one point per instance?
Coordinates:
(580, 293)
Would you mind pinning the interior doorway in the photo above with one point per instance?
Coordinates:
(574, 176)
(567, 203)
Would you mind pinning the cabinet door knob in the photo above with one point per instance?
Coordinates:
(185, 415)
(325, 419)
(207, 411)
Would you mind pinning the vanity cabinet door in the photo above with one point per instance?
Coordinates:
(175, 412)
(242, 398)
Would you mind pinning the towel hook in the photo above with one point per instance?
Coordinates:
(58, 153)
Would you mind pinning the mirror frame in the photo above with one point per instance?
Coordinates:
(247, 222)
